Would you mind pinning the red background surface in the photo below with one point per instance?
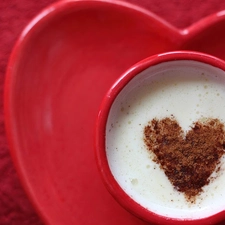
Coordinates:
(15, 207)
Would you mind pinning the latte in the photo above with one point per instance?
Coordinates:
(189, 91)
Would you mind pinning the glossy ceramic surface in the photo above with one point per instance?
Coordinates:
(61, 67)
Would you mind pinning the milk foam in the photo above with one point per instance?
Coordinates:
(187, 90)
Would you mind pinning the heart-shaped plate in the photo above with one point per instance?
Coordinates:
(61, 66)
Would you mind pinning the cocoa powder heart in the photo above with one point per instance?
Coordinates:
(187, 160)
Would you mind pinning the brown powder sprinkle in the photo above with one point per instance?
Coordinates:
(187, 160)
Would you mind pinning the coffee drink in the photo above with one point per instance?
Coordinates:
(187, 90)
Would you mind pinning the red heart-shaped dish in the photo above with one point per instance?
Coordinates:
(62, 65)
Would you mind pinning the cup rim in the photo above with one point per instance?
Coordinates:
(100, 154)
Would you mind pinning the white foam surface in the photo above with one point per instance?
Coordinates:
(171, 88)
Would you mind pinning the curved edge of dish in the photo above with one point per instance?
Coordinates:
(203, 24)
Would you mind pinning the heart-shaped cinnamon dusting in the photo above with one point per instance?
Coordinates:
(187, 160)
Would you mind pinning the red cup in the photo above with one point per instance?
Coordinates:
(109, 144)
